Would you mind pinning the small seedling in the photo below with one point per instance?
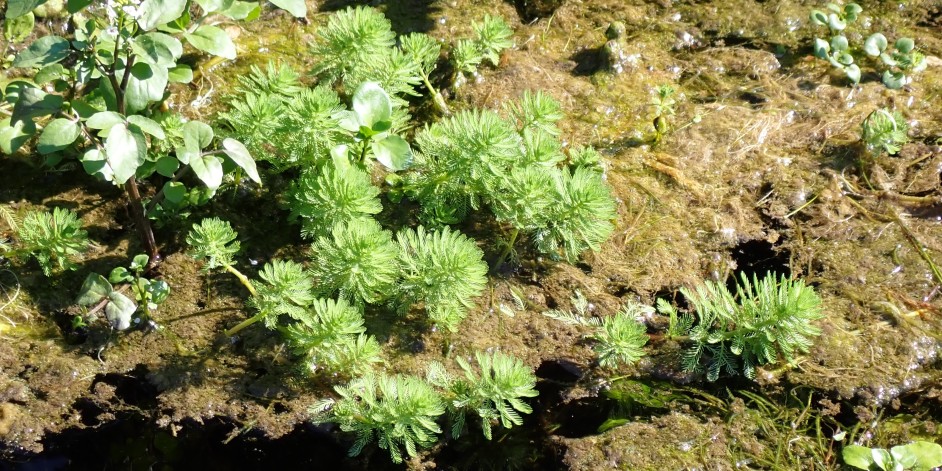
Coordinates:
(619, 339)
(884, 131)
(903, 59)
(663, 103)
(837, 50)
(53, 238)
(916, 456)
(370, 120)
(99, 293)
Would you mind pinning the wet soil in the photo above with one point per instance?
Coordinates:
(759, 173)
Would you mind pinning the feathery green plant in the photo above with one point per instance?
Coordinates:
(359, 260)
(399, 412)
(494, 395)
(335, 192)
(53, 238)
(583, 217)
(285, 288)
(883, 131)
(444, 270)
(765, 320)
(537, 110)
(349, 41)
(214, 240)
(619, 339)
(330, 336)
(424, 52)
(587, 157)
(493, 35)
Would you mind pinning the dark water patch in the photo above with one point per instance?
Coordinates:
(588, 61)
(533, 10)
(755, 258)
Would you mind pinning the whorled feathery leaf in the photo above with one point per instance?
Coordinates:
(587, 157)
(215, 241)
(493, 36)
(256, 119)
(309, 127)
(350, 40)
(621, 338)
(399, 412)
(422, 49)
(537, 110)
(281, 80)
(883, 131)
(582, 218)
(524, 197)
(286, 288)
(444, 270)
(358, 259)
(329, 336)
(397, 73)
(466, 56)
(325, 196)
(53, 237)
(495, 394)
(541, 148)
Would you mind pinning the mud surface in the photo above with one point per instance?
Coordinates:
(760, 172)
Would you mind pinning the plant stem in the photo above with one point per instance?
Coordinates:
(437, 98)
(143, 224)
(242, 279)
(241, 325)
(506, 252)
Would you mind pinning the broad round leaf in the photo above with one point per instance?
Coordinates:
(104, 120)
(927, 455)
(146, 83)
(44, 51)
(894, 81)
(18, 29)
(875, 44)
(33, 102)
(296, 7)
(57, 135)
(853, 73)
(836, 23)
(125, 151)
(94, 289)
(857, 456)
(157, 12)
(147, 125)
(158, 48)
(393, 152)
(372, 105)
(167, 166)
(139, 262)
(240, 155)
(119, 310)
(94, 163)
(209, 170)
(212, 6)
(905, 45)
(197, 136)
(120, 275)
(839, 43)
(13, 136)
(242, 10)
(819, 18)
(174, 192)
(18, 8)
(821, 48)
(180, 74)
(212, 40)
(845, 58)
(158, 290)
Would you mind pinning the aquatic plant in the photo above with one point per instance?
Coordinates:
(285, 288)
(358, 260)
(663, 103)
(916, 456)
(370, 120)
(766, 319)
(91, 94)
(618, 339)
(53, 238)
(101, 293)
(330, 336)
(350, 40)
(884, 131)
(903, 59)
(424, 51)
(491, 36)
(443, 270)
(399, 412)
(495, 394)
(332, 193)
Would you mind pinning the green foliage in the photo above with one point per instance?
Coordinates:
(585, 156)
(619, 339)
(118, 307)
(916, 456)
(899, 61)
(494, 395)
(444, 270)
(765, 320)
(52, 238)
(582, 218)
(350, 40)
(215, 241)
(286, 288)
(492, 36)
(538, 111)
(883, 131)
(371, 121)
(329, 336)
(335, 192)
(359, 260)
(399, 412)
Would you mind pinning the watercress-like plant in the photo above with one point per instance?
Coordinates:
(765, 320)
(53, 238)
(398, 412)
(103, 80)
(370, 120)
(916, 456)
(903, 59)
(99, 293)
(837, 49)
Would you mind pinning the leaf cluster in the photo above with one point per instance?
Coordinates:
(884, 131)
(764, 321)
(330, 336)
(215, 241)
(491, 36)
(53, 238)
(618, 339)
(916, 456)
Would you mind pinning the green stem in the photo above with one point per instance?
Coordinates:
(241, 325)
(437, 98)
(363, 152)
(510, 246)
(242, 279)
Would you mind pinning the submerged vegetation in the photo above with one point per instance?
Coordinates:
(417, 185)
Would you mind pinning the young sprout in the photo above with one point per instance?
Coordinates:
(619, 339)
(53, 238)
(424, 51)
(884, 131)
(329, 336)
(901, 60)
